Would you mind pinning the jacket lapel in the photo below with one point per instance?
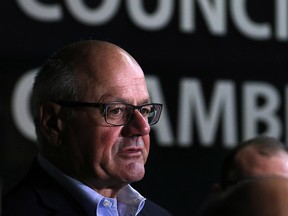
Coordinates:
(52, 194)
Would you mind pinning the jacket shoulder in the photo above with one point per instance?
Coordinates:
(39, 194)
(152, 209)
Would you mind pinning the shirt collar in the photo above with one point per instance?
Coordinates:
(128, 199)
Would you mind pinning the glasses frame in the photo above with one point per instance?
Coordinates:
(76, 104)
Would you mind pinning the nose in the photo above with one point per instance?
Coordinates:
(138, 125)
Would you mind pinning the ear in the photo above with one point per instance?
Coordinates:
(51, 122)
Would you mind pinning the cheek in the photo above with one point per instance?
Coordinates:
(147, 142)
(94, 148)
(104, 139)
(87, 140)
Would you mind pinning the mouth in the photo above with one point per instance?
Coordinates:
(131, 152)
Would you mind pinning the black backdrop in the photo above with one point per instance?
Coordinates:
(219, 67)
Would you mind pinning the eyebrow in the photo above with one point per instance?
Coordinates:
(110, 98)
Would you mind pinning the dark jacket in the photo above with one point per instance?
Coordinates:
(40, 195)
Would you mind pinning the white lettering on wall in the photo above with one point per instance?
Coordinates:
(216, 117)
(40, 11)
(155, 21)
(163, 129)
(265, 113)
(97, 16)
(21, 105)
(281, 19)
(192, 109)
(215, 13)
(247, 26)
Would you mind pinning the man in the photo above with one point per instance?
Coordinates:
(257, 196)
(256, 158)
(92, 115)
(260, 156)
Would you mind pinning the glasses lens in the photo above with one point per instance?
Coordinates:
(118, 114)
(154, 114)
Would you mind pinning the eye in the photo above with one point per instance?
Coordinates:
(145, 111)
(116, 110)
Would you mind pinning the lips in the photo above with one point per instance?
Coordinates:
(131, 152)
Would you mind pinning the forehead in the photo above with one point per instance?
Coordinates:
(113, 73)
(124, 88)
(253, 163)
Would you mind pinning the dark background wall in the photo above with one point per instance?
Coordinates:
(219, 67)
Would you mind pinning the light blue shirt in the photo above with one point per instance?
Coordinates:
(128, 202)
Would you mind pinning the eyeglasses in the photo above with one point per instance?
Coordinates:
(119, 114)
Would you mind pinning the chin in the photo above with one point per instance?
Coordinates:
(135, 172)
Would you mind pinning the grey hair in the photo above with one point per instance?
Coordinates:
(58, 77)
